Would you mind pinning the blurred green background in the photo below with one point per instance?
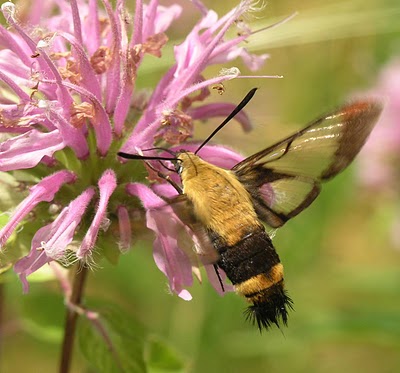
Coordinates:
(341, 267)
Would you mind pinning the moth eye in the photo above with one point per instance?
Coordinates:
(178, 166)
(179, 169)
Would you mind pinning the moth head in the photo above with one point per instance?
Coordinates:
(186, 163)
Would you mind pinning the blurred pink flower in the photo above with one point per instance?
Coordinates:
(68, 104)
(380, 157)
(379, 160)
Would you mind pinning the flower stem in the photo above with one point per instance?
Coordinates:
(72, 318)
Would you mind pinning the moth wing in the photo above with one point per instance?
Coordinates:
(204, 248)
(285, 178)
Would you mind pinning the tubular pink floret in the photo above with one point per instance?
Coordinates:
(28, 149)
(72, 137)
(125, 229)
(101, 122)
(8, 10)
(138, 24)
(88, 78)
(107, 185)
(76, 20)
(113, 73)
(43, 191)
(168, 256)
(9, 40)
(50, 242)
(15, 87)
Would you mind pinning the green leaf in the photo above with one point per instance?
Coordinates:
(161, 358)
(112, 342)
(43, 315)
(3, 219)
(8, 198)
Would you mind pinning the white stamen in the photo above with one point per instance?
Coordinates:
(8, 8)
(231, 71)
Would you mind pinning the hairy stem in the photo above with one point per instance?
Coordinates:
(71, 318)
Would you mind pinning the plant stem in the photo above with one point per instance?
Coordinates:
(72, 318)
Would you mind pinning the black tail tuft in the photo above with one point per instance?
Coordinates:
(272, 309)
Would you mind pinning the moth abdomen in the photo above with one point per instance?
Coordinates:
(254, 268)
(270, 306)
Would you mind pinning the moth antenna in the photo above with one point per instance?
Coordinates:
(164, 149)
(238, 108)
(193, 164)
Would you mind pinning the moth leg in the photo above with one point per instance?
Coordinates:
(175, 185)
(219, 277)
(166, 178)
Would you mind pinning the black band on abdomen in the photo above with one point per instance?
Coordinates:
(250, 257)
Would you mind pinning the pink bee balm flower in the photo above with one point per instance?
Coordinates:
(379, 160)
(69, 103)
(381, 155)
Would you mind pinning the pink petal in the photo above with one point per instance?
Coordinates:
(107, 185)
(113, 73)
(55, 237)
(11, 42)
(165, 190)
(9, 10)
(92, 28)
(51, 241)
(89, 79)
(253, 61)
(125, 229)
(17, 118)
(138, 23)
(76, 21)
(196, 52)
(6, 78)
(214, 280)
(168, 256)
(72, 137)
(200, 6)
(31, 263)
(159, 18)
(101, 122)
(229, 50)
(148, 198)
(193, 46)
(27, 150)
(43, 191)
